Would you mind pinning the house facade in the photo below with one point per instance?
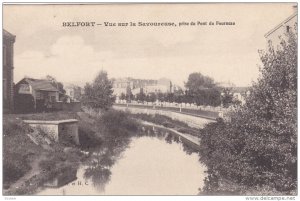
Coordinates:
(124, 85)
(35, 95)
(279, 32)
(8, 71)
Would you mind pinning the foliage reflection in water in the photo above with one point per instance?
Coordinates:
(152, 162)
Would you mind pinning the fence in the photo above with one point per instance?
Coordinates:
(210, 114)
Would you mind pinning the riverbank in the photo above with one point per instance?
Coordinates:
(167, 122)
(108, 133)
(27, 166)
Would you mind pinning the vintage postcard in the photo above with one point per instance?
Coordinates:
(150, 99)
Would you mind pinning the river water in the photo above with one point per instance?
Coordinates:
(144, 165)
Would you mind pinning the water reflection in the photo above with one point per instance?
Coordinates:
(152, 162)
(65, 177)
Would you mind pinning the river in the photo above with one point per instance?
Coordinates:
(151, 164)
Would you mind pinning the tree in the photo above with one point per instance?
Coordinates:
(178, 96)
(258, 148)
(198, 81)
(122, 96)
(129, 95)
(271, 115)
(56, 84)
(99, 94)
(202, 90)
(141, 96)
(151, 97)
(161, 96)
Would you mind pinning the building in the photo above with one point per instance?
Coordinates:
(156, 89)
(8, 71)
(238, 93)
(121, 85)
(124, 85)
(35, 94)
(275, 35)
(73, 92)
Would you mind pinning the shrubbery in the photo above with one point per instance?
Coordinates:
(117, 123)
(18, 150)
(258, 148)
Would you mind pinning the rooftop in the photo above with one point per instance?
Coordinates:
(42, 85)
(8, 35)
(279, 25)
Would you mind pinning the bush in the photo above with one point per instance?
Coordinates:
(118, 122)
(14, 126)
(168, 125)
(18, 149)
(46, 165)
(14, 167)
(259, 147)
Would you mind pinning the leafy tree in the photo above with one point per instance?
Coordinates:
(141, 96)
(170, 97)
(99, 94)
(161, 96)
(214, 97)
(129, 95)
(198, 81)
(227, 97)
(151, 97)
(178, 96)
(122, 96)
(258, 148)
(202, 90)
(56, 84)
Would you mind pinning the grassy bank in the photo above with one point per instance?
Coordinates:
(167, 122)
(18, 150)
(26, 165)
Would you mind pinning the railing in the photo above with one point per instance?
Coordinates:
(189, 110)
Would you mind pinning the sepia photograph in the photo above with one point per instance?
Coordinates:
(152, 99)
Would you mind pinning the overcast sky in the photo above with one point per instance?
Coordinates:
(75, 54)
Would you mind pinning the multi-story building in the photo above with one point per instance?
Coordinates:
(8, 71)
(120, 86)
(124, 85)
(275, 35)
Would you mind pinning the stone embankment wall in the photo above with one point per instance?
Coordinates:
(192, 121)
